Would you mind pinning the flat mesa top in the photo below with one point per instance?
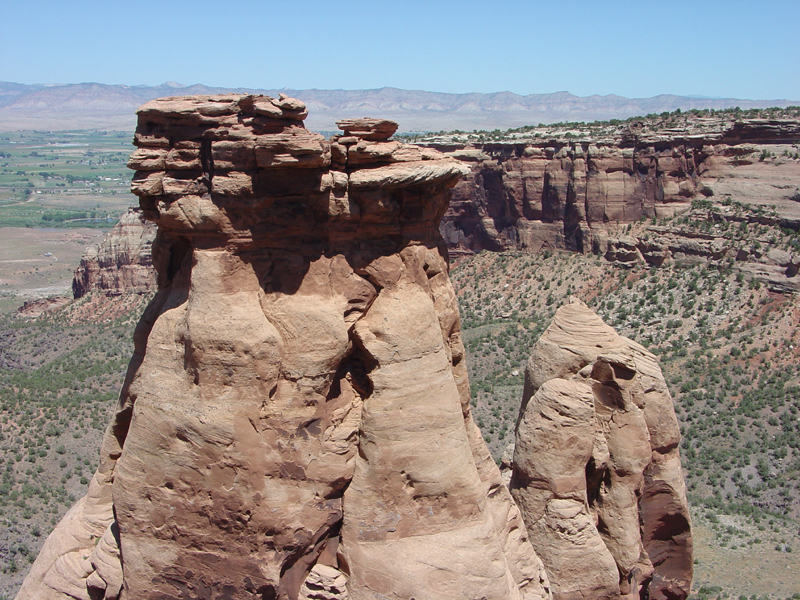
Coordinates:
(223, 105)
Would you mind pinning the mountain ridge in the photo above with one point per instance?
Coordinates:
(107, 106)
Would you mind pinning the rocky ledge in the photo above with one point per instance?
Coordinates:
(295, 422)
(609, 191)
(562, 188)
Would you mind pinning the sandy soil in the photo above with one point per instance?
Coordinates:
(25, 269)
(759, 569)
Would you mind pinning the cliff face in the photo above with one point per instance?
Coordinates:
(295, 421)
(597, 470)
(121, 263)
(577, 195)
(529, 198)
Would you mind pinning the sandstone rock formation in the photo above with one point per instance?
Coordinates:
(596, 471)
(295, 421)
(33, 309)
(121, 263)
(575, 195)
(769, 263)
(562, 193)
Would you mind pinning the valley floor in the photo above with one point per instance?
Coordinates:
(729, 348)
(730, 351)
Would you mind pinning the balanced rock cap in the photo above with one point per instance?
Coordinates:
(367, 128)
(298, 394)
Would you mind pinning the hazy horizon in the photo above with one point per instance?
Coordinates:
(178, 85)
(713, 49)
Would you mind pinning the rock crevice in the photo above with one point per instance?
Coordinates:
(584, 195)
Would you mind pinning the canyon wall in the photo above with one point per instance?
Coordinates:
(578, 195)
(295, 421)
(122, 263)
(581, 196)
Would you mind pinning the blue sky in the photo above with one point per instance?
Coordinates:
(637, 49)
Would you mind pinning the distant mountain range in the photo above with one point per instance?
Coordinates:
(101, 106)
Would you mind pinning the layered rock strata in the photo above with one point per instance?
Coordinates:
(554, 191)
(122, 263)
(563, 193)
(295, 421)
(596, 469)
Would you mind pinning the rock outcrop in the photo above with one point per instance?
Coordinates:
(577, 194)
(596, 469)
(33, 309)
(122, 263)
(295, 420)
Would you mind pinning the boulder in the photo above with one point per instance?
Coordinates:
(368, 128)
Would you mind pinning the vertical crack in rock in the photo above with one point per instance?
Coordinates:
(295, 419)
(597, 472)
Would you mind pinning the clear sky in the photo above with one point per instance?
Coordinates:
(720, 48)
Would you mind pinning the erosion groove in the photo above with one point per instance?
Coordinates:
(581, 187)
(596, 470)
(309, 344)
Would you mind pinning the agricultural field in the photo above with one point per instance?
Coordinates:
(40, 262)
(65, 179)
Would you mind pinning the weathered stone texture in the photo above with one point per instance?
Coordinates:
(295, 420)
(596, 470)
(122, 263)
(579, 195)
(554, 194)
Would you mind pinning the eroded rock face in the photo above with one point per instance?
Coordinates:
(596, 471)
(122, 263)
(295, 420)
(577, 195)
(555, 194)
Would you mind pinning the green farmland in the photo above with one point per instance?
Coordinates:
(64, 179)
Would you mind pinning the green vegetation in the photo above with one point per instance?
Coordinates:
(728, 346)
(574, 130)
(59, 379)
(65, 179)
